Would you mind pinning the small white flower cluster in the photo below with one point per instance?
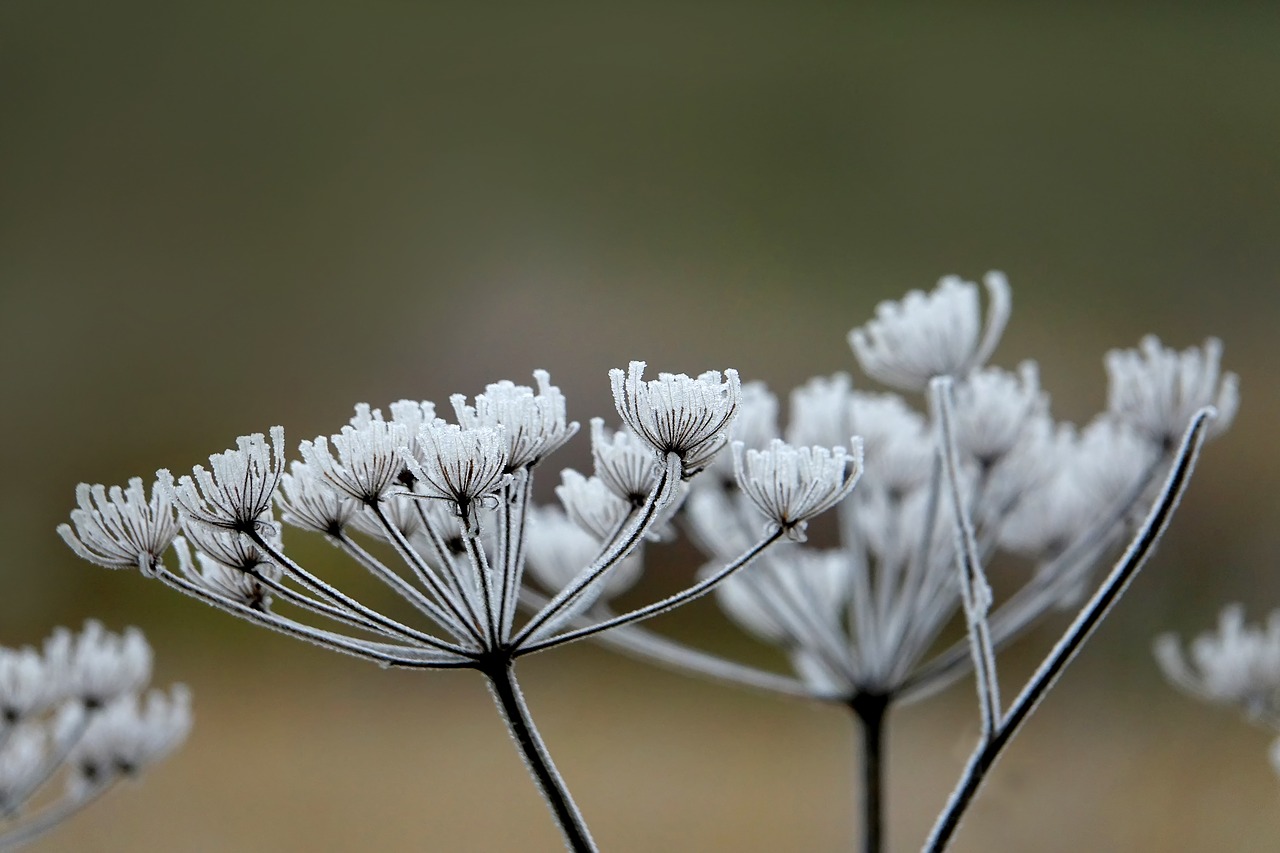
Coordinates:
(453, 501)
(76, 710)
(1238, 665)
(862, 618)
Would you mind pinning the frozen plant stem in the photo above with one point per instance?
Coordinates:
(872, 710)
(1087, 620)
(506, 693)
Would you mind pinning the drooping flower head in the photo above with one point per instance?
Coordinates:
(120, 528)
(677, 414)
(932, 334)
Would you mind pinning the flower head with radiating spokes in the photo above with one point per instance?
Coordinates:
(994, 407)
(308, 501)
(1237, 665)
(462, 466)
(535, 424)
(932, 334)
(232, 581)
(1157, 390)
(677, 414)
(128, 735)
(120, 528)
(370, 458)
(623, 462)
(97, 666)
(239, 487)
(591, 504)
(791, 485)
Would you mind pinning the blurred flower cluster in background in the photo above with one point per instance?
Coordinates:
(215, 219)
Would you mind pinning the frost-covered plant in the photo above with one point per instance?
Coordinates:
(979, 469)
(985, 470)
(76, 710)
(453, 502)
(1238, 665)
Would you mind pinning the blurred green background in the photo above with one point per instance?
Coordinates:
(218, 217)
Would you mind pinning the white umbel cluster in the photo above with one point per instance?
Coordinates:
(932, 334)
(71, 712)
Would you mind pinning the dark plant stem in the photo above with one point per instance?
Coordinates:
(1086, 621)
(506, 693)
(872, 711)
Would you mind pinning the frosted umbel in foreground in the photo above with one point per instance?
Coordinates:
(853, 538)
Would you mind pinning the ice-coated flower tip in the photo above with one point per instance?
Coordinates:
(1157, 390)
(791, 485)
(120, 528)
(535, 424)
(369, 458)
(459, 465)
(932, 334)
(677, 414)
(237, 489)
(98, 666)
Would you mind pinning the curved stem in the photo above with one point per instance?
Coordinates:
(510, 702)
(1086, 621)
(872, 710)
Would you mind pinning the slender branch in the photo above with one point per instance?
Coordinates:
(376, 621)
(699, 589)
(871, 710)
(52, 816)
(1088, 619)
(469, 625)
(975, 593)
(510, 702)
(381, 653)
(662, 492)
(406, 590)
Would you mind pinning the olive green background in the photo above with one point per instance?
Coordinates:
(219, 217)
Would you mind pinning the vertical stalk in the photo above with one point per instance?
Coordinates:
(871, 710)
(506, 693)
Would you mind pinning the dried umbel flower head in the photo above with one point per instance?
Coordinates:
(1239, 664)
(1156, 390)
(239, 487)
(932, 334)
(677, 414)
(370, 458)
(534, 424)
(120, 528)
(71, 712)
(791, 485)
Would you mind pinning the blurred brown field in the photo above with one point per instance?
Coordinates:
(218, 217)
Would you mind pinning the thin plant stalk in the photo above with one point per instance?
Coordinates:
(1087, 620)
(871, 710)
(510, 702)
